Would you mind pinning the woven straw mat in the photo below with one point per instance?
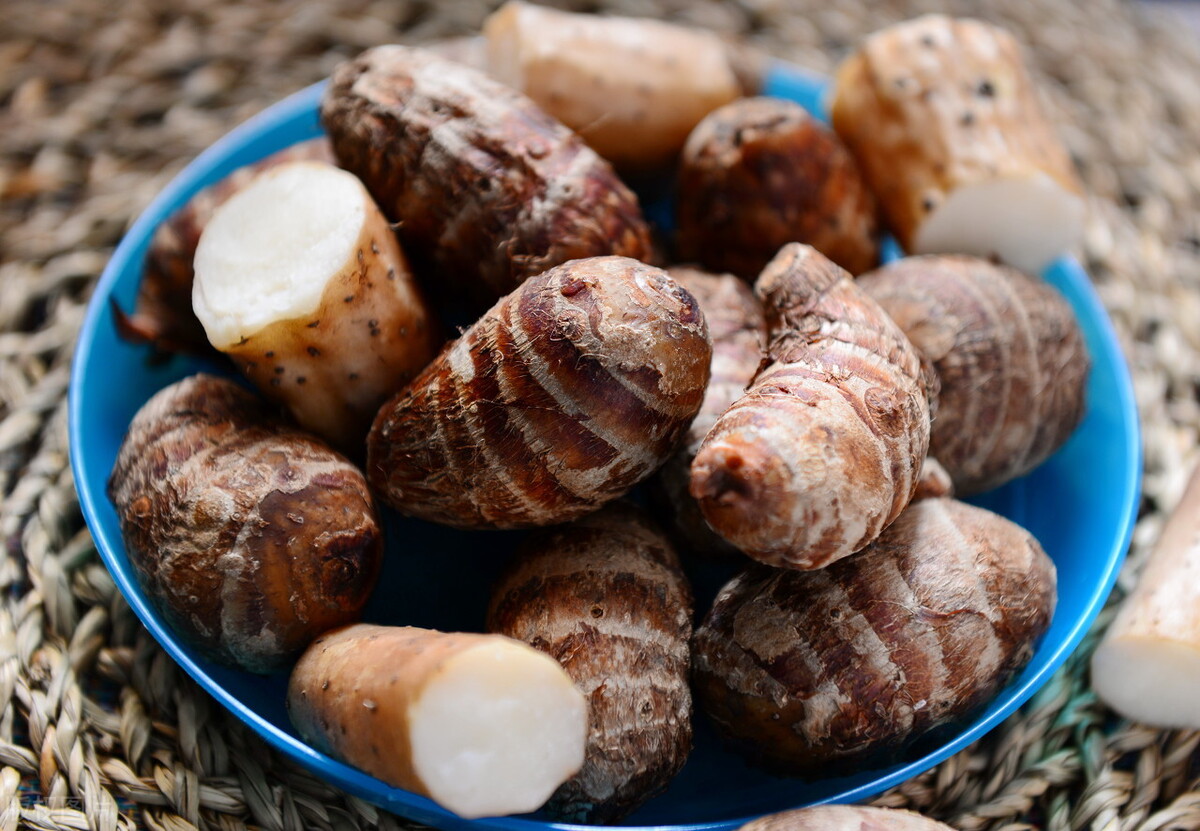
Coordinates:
(102, 103)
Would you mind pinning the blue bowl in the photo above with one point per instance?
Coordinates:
(1080, 504)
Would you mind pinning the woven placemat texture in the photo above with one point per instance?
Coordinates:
(101, 103)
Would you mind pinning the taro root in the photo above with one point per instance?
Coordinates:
(944, 120)
(605, 597)
(486, 188)
(633, 88)
(300, 280)
(817, 672)
(1010, 358)
(481, 724)
(760, 173)
(562, 397)
(250, 537)
(163, 316)
(826, 446)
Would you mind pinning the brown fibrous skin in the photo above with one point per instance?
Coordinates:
(486, 189)
(1010, 356)
(605, 596)
(250, 537)
(760, 173)
(564, 395)
(826, 446)
(738, 331)
(845, 818)
(163, 316)
(809, 673)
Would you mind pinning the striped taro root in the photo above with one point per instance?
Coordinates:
(735, 324)
(563, 396)
(826, 446)
(486, 188)
(605, 597)
(1010, 358)
(819, 671)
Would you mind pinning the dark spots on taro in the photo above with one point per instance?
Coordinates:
(374, 247)
(484, 183)
(279, 370)
(967, 119)
(597, 611)
(353, 376)
(375, 750)
(928, 204)
(300, 379)
(985, 89)
(325, 684)
(373, 325)
(902, 83)
(647, 707)
(391, 274)
(314, 324)
(275, 381)
(269, 354)
(349, 298)
(835, 614)
(312, 350)
(928, 42)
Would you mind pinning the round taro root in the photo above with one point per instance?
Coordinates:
(566, 394)
(605, 596)
(760, 173)
(250, 537)
(486, 188)
(1010, 356)
(819, 671)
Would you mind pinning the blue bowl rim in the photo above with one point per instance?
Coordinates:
(418, 807)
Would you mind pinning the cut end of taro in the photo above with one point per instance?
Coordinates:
(1150, 680)
(270, 251)
(498, 730)
(1026, 223)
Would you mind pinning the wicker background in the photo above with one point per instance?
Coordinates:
(102, 102)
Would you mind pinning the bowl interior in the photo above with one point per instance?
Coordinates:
(1080, 505)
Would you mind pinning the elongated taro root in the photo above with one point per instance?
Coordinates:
(738, 333)
(845, 818)
(163, 316)
(250, 537)
(487, 189)
(606, 598)
(563, 396)
(826, 446)
(1008, 352)
(633, 88)
(945, 122)
(760, 173)
(821, 671)
(300, 280)
(1147, 668)
(481, 724)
